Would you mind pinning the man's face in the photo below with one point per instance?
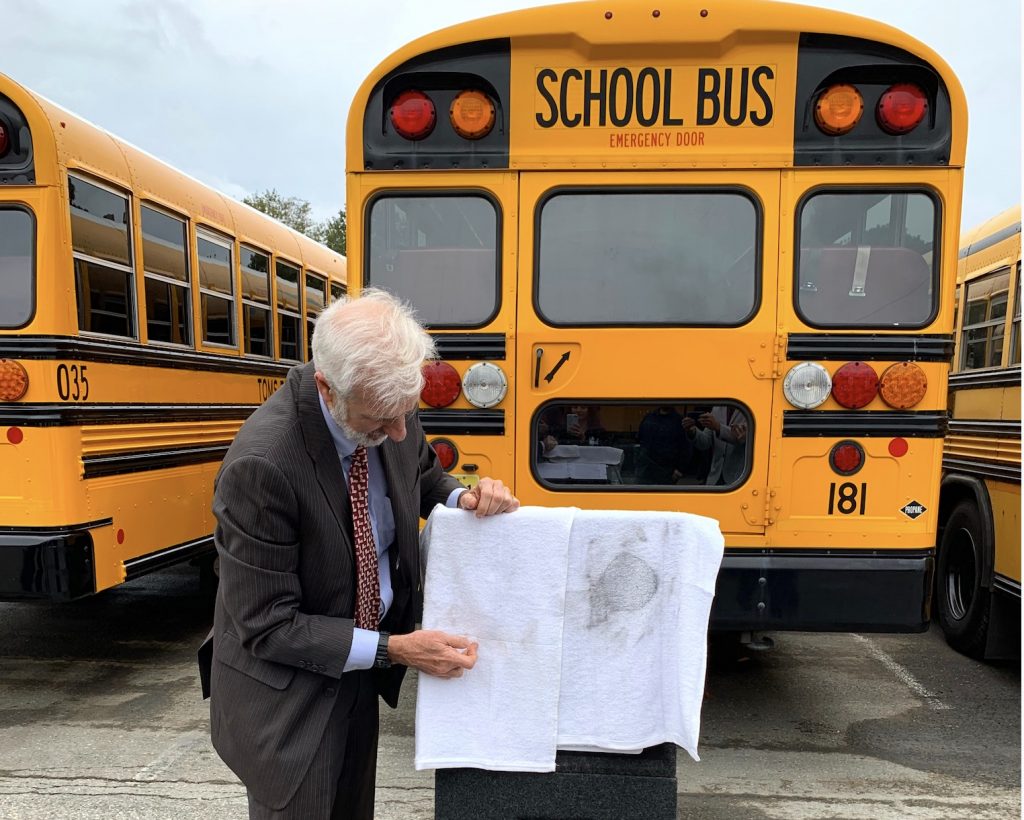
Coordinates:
(359, 422)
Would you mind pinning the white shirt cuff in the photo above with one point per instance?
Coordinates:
(453, 497)
(363, 651)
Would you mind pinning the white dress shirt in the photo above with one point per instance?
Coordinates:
(382, 522)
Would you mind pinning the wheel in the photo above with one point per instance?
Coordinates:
(961, 600)
(209, 574)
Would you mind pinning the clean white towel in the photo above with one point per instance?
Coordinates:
(638, 597)
(589, 639)
(499, 580)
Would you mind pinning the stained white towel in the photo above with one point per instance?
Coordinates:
(589, 639)
(501, 581)
(638, 596)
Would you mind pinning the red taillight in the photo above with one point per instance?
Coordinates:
(854, 385)
(846, 458)
(413, 115)
(441, 384)
(901, 108)
(5, 140)
(446, 453)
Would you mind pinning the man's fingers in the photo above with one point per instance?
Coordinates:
(458, 641)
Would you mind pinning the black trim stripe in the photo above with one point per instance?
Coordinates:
(60, 529)
(132, 353)
(983, 427)
(463, 422)
(864, 423)
(1007, 585)
(71, 415)
(936, 347)
(134, 462)
(996, 471)
(990, 240)
(973, 379)
(469, 345)
(143, 565)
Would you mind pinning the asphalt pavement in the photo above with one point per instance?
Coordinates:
(101, 717)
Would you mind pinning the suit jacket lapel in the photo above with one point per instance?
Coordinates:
(321, 449)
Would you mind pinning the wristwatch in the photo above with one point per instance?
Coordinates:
(381, 659)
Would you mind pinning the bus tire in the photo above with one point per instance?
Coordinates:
(963, 603)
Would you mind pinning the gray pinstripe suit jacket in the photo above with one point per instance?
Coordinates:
(283, 618)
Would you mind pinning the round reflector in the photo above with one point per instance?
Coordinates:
(901, 108)
(484, 384)
(838, 109)
(854, 385)
(807, 385)
(902, 385)
(441, 384)
(413, 115)
(898, 447)
(846, 458)
(15, 435)
(5, 140)
(447, 453)
(13, 380)
(472, 114)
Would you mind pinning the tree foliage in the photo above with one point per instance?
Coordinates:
(298, 214)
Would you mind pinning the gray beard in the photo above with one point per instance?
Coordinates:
(339, 413)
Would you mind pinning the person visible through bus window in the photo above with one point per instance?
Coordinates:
(665, 448)
(724, 433)
(319, 562)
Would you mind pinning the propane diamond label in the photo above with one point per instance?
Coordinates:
(913, 509)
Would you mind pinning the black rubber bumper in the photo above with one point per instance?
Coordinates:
(55, 564)
(878, 591)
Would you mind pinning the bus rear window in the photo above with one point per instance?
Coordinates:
(867, 259)
(439, 253)
(17, 273)
(648, 258)
(686, 445)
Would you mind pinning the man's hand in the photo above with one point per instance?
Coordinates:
(489, 497)
(433, 652)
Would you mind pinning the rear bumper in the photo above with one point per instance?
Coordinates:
(824, 592)
(55, 564)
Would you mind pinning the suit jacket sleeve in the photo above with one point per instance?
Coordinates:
(435, 484)
(258, 543)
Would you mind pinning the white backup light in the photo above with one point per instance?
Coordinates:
(807, 385)
(484, 385)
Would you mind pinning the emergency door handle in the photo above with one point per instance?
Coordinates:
(538, 355)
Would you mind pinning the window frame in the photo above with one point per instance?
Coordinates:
(748, 463)
(1002, 321)
(251, 303)
(311, 320)
(1014, 322)
(937, 275)
(33, 259)
(187, 285)
(747, 193)
(423, 193)
(301, 296)
(132, 285)
(210, 235)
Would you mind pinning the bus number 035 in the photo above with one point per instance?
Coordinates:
(72, 383)
(847, 498)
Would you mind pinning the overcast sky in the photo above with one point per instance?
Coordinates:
(253, 94)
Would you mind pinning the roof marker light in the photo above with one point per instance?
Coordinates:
(413, 115)
(838, 109)
(901, 108)
(472, 115)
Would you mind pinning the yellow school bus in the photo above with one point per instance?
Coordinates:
(679, 256)
(144, 316)
(977, 582)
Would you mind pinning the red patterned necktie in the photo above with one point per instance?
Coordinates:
(367, 573)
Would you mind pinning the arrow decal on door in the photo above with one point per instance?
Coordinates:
(558, 365)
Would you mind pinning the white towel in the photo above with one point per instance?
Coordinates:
(593, 639)
(499, 580)
(638, 596)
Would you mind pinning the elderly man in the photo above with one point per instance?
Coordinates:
(317, 505)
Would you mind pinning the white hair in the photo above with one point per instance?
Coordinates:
(374, 345)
